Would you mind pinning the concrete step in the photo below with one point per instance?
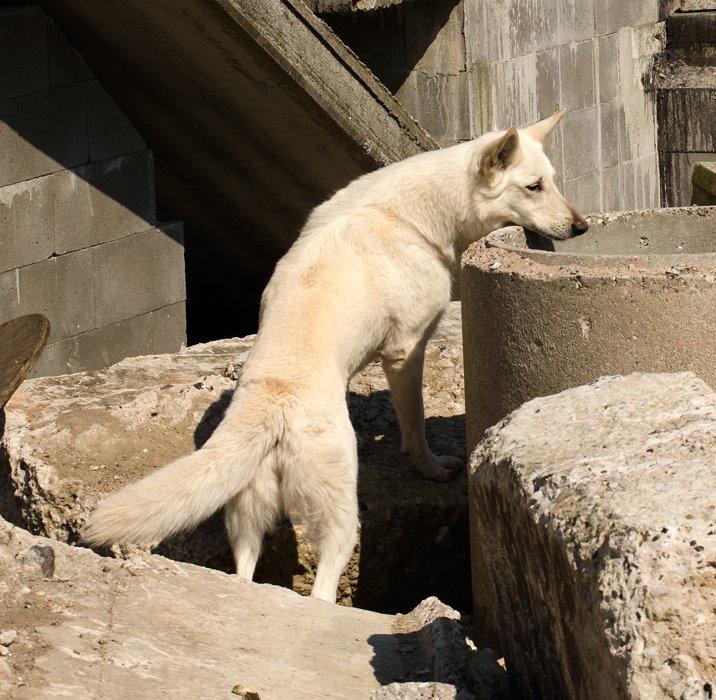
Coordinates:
(75, 624)
(256, 110)
(685, 98)
(704, 184)
(691, 37)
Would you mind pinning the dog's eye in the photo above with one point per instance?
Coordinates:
(535, 186)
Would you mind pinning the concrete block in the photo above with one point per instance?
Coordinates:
(505, 30)
(439, 104)
(110, 132)
(611, 116)
(553, 150)
(42, 132)
(61, 288)
(9, 295)
(686, 119)
(608, 67)
(163, 330)
(639, 126)
(549, 98)
(139, 273)
(628, 186)
(159, 331)
(575, 20)
(611, 188)
(59, 357)
(531, 26)
(23, 51)
(598, 538)
(580, 132)
(515, 92)
(66, 65)
(637, 47)
(577, 75)
(676, 171)
(162, 627)
(26, 233)
(434, 42)
(627, 147)
(704, 179)
(646, 182)
(613, 15)
(692, 37)
(585, 192)
(482, 96)
(102, 201)
(482, 45)
(474, 32)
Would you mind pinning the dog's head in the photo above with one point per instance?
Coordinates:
(515, 183)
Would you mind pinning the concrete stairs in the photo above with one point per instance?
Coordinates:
(256, 112)
(686, 101)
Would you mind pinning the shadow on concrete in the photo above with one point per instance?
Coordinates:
(414, 667)
(414, 533)
(9, 507)
(437, 653)
(406, 31)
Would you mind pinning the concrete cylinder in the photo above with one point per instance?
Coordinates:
(637, 293)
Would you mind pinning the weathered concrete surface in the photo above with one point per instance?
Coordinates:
(257, 113)
(635, 293)
(75, 624)
(594, 512)
(77, 207)
(685, 86)
(351, 5)
(69, 440)
(464, 67)
(704, 184)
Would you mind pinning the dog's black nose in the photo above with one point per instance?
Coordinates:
(579, 227)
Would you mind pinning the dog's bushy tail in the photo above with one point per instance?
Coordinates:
(184, 493)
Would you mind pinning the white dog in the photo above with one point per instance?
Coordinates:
(369, 275)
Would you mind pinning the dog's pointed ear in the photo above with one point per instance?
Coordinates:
(501, 153)
(542, 129)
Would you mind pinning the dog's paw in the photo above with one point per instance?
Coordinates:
(443, 468)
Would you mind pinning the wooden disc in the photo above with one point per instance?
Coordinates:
(22, 341)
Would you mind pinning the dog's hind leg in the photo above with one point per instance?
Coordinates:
(320, 492)
(248, 516)
(335, 537)
(404, 371)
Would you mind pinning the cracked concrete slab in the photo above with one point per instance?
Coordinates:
(77, 624)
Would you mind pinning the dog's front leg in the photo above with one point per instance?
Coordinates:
(405, 376)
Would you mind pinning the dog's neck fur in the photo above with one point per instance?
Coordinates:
(437, 202)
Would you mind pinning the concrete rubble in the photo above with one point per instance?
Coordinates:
(79, 625)
(69, 440)
(593, 514)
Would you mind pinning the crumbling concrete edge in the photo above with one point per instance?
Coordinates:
(270, 36)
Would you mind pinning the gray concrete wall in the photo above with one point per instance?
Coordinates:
(463, 68)
(256, 112)
(79, 240)
(686, 98)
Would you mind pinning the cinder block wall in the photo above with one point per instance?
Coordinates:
(686, 101)
(467, 67)
(79, 240)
